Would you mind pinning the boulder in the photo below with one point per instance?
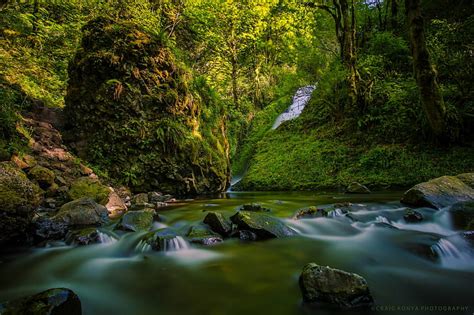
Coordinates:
(140, 199)
(263, 225)
(90, 188)
(357, 188)
(254, 207)
(247, 236)
(43, 176)
(218, 223)
(200, 234)
(335, 287)
(50, 302)
(462, 215)
(136, 221)
(467, 178)
(412, 216)
(82, 212)
(310, 212)
(46, 228)
(165, 240)
(115, 205)
(19, 197)
(438, 193)
(83, 237)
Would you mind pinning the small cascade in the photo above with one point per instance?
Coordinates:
(143, 247)
(234, 180)
(382, 219)
(105, 238)
(336, 213)
(301, 98)
(454, 253)
(175, 244)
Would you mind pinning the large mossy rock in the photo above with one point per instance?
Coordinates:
(203, 235)
(134, 110)
(263, 225)
(440, 192)
(462, 215)
(43, 176)
(50, 302)
(218, 223)
(86, 187)
(82, 212)
(334, 287)
(18, 198)
(136, 221)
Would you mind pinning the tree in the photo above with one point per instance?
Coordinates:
(343, 14)
(425, 74)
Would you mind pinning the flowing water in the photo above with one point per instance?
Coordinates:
(125, 276)
(300, 99)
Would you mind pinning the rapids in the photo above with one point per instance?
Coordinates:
(406, 265)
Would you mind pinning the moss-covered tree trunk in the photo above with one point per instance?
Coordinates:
(394, 14)
(348, 46)
(425, 74)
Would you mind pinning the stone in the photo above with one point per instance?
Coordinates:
(46, 228)
(136, 221)
(412, 216)
(218, 223)
(140, 199)
(254, 207)
(438, 193)
(263, 225)
(335, 287)
(50, 302)
(357, 188)
(247, 236)
(82, 212)
(202, 235)
(155, 197)
(162, 239)
(462, 215)
(310, 212)
(115, 205)
(83, 237)
(90, 188)
(19, 197)
(42, 175)
(467, 178)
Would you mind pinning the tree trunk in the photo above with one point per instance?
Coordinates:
(35, 16)
(348, 55)
(234, 82)
(425, 74)
(394, 14)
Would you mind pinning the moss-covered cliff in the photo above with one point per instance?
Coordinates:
(134, 110)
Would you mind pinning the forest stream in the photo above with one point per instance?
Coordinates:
(405, 264)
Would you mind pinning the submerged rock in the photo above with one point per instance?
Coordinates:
(263, 225)
(439, 192)
(254, 207)
(136, 221)
(19, 197)
(310, 212)
(462, 214)
(335, 287)
(160, 239)
(50, 302)
(247, 236)
(83, 237)
(218, 223)
(82, 212)
(357, 188)
(412, 216)
(200, 234)
(87, 187)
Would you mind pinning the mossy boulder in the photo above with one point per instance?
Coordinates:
(357, 188)
(86, 187)
(310, 212)
(49, 302)
(462, 215)
(18, 198)
(467, 178)
(334, 287)
(218, 223)
(42, 175)
(134, 110)
(136, 221)
(438, 193)
(263, 225)
(82, 212)
(200, 234)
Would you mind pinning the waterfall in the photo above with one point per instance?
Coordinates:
(175, 244)
(300, 99)
(454, 252)
(106, 238)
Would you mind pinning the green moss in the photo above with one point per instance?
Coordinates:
(290, 159)
(43, 176)
(135, 111)
(90, 188)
